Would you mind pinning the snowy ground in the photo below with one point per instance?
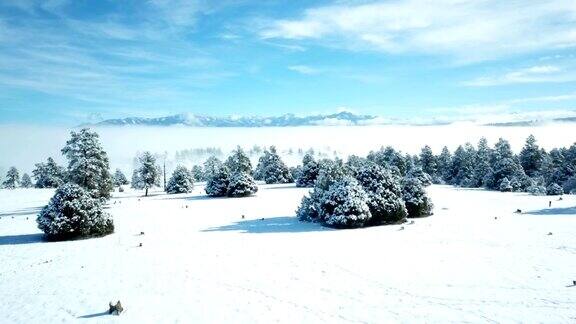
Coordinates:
(473, 261)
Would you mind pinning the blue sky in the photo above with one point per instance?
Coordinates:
(72, 61)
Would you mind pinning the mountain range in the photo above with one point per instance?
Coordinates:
(344, 118)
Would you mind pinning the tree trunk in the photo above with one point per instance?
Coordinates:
(146, 194)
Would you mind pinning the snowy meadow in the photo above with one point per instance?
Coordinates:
(473, 261)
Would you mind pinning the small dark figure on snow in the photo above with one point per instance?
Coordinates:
(141, 233)
(242, 216)
(550, 203)
(115, 309)
(140, 245)
(518, 211)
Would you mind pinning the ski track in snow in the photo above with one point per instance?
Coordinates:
(473, 261)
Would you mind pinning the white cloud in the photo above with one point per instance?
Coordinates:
(304, 69)
(534, 74)
(468, 30)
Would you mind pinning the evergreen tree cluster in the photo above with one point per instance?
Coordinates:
(75, 210)
(232, 178)
(533, 170)
(361, 193)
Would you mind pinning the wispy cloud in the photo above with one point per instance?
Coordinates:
(533, 74)
(468, 30)
(304, 69)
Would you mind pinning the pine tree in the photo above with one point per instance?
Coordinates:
(329, 172)
(148, 171)
(72, 212)
(197, 173)
(211, 166)
(217, 182)
(390, 159)
(428, 161)
(238, 161)
(531, 157)
(481, 166)
(462, 167)
(49, 174)
(309, 172)
(241, 185)
(88, 163)
(417, 202)
(554, 189)
(505, 185)
(26, 182)
(384, 194)
(272, 169)
(503, 164)
(345, 205)
(136, 182)
(444, 162)
(120, 178)
(12, 179)
(416, 172)
(181, 181)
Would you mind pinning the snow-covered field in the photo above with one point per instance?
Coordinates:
(475, 260)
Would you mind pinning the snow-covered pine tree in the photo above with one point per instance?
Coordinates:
(238, 161)
(481, 166)
(136, 182)
(390, 159)
(12, 179)
(462, 169)
(241, 185)
(355, 163)
(531, 157)
(148, 171)
(309, 172)
(503, 164)
(49, 174)
(71, 213)
(554, 189)
(443, 163)
(417, 202)
(120, 178)
(536, 190)
(505, 185)
(197, 173)
(88, 164)
(211, 166)
(428, 161)
(217, 182)
(272, 169)
(345, 204)
(417, 172)
(26, 182)
(181, 181)
(329, 172)
(384, 194)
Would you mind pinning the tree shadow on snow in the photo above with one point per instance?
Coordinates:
(22, 212)
(199, 197)
(553, 211)
(21, 239)
(270, 225)
(94, 315)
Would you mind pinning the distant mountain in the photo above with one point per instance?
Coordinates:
(341, 118)
(338, 119)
